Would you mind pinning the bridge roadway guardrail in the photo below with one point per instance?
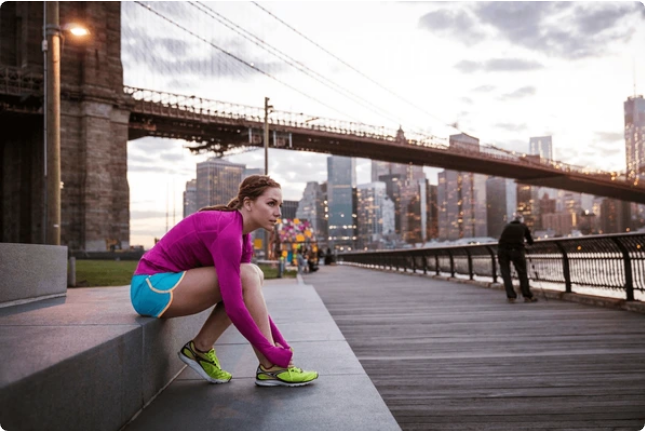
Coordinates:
(615, 262)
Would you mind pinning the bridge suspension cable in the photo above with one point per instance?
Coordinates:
(451, 125)
(244, 62)
(295, 63)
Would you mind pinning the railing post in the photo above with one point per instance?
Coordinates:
(425, 264)
(470, 264)
(493, 261)
(565, 267)
(629, 279)
(452, 264)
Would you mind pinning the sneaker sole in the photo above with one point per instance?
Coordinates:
(274, 383)
(199, 370)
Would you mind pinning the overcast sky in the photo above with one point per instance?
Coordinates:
(500, 71)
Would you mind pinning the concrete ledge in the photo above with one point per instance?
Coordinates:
(85, 362)
(31, 272)
(343, 397)
(596, 301)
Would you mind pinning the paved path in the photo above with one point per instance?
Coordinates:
(449, 356)
(342, 399)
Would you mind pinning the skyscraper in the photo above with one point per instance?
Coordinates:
(341, 180)
(542, 146)
(312, 208)
(501, 203)
(461, 197)
(190, 198)
(218, 181)
(375, 213)
(634, 108)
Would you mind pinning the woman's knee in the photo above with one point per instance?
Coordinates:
(251, 276)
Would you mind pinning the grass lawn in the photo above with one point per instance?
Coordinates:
(90, 273)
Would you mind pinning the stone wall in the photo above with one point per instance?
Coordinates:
(94, 131)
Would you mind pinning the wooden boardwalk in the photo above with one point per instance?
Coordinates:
(449, 356)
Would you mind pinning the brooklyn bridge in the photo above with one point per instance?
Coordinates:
(100, 115)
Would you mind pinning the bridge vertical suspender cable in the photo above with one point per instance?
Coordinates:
(249, 65)
(453, 125)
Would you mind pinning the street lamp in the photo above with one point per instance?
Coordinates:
(51, 113)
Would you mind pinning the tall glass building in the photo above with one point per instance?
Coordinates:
(218, 181)
(542, 146)
(635, 135)
(341, 181)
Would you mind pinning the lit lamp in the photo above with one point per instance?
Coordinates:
(51, 113)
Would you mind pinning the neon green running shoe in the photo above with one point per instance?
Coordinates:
(206, 364)
(278, 376)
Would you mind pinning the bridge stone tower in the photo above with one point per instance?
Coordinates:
(94, 127)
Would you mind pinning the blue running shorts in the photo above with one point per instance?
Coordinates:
(151, 295)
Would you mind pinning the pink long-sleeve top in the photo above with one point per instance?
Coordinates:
(214, 238)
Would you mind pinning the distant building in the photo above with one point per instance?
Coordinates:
(461, 198)
(252, 171)
(218, 181)
(561, 223)
(634, 109)
(372, 206)
(432, 224)
(312, 208)
(615, 216)
(341, 182)
(289, 209)
(528, 205)
(190, 198)
(541, 146)
(501, 203)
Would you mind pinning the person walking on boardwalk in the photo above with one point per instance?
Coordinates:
(511, 249)
(205, 260)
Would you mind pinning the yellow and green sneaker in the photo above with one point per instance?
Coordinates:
(206, 364)
(278, 376)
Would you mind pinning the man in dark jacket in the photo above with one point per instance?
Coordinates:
(511, 249)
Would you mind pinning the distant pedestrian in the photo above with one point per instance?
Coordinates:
(511, 249)
(328, 257)
(205, 260)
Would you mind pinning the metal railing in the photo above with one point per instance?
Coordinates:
(207, 110)
(614, 262)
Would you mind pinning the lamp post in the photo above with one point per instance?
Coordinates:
(51, 49)
(51, 113)
(267, 108)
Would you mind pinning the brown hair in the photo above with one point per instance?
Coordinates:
(252, 187)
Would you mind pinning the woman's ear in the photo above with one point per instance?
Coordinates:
(247, 204)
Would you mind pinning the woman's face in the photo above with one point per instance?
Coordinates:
(266, 209)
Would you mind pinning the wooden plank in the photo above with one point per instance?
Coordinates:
(449, 356)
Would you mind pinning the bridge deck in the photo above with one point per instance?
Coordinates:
(448, 356)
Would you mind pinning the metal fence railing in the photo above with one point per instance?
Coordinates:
(614, 262)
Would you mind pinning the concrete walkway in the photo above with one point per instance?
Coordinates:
(343, 397)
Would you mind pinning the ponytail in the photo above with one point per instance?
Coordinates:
(233, 205)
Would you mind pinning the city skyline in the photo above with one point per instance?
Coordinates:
(499, 81)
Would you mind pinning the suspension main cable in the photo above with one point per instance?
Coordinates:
(451, 125)
(298, 65)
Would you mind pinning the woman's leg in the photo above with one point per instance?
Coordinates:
(199, 290)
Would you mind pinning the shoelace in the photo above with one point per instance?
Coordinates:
(211, 357)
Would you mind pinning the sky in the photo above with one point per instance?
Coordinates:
(500, 71)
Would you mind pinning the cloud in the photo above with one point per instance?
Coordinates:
(538, 26)
(484, 89)
(571, 30)
(498, 65)
(519, 93)
(456, 24)
(511, 127)
(610, 136)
